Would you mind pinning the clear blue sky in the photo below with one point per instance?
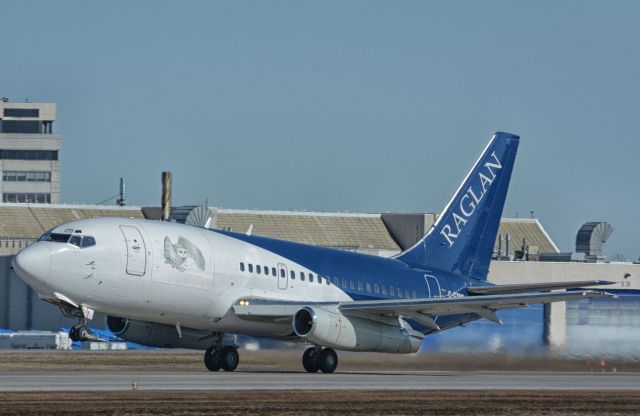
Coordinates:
(359, 106)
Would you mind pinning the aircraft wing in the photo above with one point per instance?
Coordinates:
(533, 287)
(421, 310)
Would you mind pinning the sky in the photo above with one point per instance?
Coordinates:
(358, 106)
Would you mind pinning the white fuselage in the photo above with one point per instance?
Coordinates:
(167, 273)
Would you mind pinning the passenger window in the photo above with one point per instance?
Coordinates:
(258, 268)
(266, 270)
(369, 287)
(360, 286)
(282, 273)
(241, 266)
(326, 279)
(392, 291)
(384, 290)
(344, 283)
(75, 240)
(335, 281)
(407, 294)
(414, 295)
(399, 292)
(301, 275)
(319, 279)
(310, 278)
(250, 268)
(352, 285)
(273, 271)
(88, 241)
(376, 288)
(293, 275)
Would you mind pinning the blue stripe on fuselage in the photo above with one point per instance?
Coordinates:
(328, 262)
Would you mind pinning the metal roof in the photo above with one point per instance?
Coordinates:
(348, 231)
(525, 228)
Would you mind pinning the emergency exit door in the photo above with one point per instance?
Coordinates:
(136, 250)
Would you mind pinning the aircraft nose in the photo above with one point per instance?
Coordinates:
(32, 263)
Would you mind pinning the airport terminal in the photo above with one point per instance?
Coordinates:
(523, 253)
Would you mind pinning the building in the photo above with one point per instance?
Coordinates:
(29, 153)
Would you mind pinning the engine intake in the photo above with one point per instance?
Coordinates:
(331, 328)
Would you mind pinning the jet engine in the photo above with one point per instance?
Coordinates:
(159, 335)
(333, 329)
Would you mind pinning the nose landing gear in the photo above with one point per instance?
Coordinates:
(219, 356)
(318, 358)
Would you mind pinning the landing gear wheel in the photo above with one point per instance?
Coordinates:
(230, 358)
(80, 333)
(212, 359)
(73, 334)
(311, 360)
(328, 360)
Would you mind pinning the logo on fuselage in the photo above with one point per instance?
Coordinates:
(470, 200)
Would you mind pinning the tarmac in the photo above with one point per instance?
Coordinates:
(256, 380)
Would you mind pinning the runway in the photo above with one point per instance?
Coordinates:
(405, 380)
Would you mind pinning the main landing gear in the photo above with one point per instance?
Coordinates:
(219, 356)
(317, 358)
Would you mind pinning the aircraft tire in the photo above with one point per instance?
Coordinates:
(212, 359)
(230, 358)
(328, 360)
(311, 360)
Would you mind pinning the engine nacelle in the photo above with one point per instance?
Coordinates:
(159, 335)
(333, 329)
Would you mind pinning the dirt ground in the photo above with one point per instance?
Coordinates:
(334, 403)
(288, 360)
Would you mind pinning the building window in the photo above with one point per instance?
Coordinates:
(28, 154)
(18, 176)
(39, 198)
(22, 112)
(21, 126)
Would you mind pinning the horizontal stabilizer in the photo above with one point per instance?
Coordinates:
(533, 287)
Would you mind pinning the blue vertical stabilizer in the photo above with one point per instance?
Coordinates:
(462, 239)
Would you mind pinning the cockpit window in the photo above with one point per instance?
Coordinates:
(45, 236)
(88, 241)
(58, 238)
(75, 240)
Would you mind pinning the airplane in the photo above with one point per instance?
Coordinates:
(173, 285)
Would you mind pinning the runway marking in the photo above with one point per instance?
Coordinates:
(396, 380)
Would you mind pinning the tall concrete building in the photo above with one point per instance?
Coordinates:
(29, 153)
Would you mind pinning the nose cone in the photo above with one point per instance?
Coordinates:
(32, 264)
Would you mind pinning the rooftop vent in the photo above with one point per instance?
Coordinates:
(591, 237)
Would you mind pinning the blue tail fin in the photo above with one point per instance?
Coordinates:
(462, 239)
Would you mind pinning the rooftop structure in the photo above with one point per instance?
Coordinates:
(29, 153)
